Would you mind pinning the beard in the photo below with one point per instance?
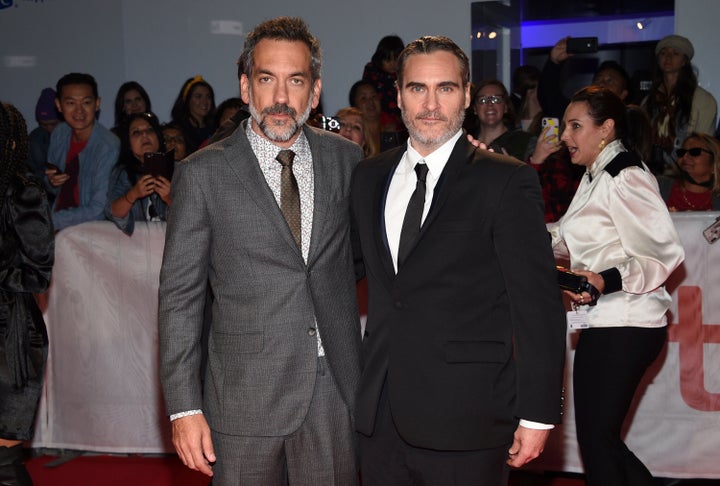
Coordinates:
(281, 131)
(426, 138)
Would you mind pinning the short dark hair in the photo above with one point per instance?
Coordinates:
(429, 44)
(388, 48)
(76, 78)
(293, 29)
(611, 65)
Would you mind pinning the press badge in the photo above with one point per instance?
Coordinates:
(578, 319)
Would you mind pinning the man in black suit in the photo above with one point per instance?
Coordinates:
(464, 346)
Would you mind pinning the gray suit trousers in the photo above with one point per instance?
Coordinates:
(320, 453)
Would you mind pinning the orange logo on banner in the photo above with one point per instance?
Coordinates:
(691, 334)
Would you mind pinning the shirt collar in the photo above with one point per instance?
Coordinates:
(261, 144)
(605, 157)
(435, 161)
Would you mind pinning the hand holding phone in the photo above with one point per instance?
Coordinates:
(582, 45)
(554, 127)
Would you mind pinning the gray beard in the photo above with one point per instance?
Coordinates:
(415, 134)
(281, 132)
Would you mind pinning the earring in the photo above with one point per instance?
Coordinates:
(602, 144)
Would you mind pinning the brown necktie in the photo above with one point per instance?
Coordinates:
(289, 194)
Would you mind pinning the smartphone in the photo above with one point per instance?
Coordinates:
(54, 167)
(158, 164)
(554, 125)
(582, 45)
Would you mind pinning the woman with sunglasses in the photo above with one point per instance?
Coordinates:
(696, 186)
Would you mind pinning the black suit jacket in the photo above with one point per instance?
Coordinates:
(470, 334)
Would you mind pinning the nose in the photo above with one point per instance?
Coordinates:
(431, 100)
(281, 94)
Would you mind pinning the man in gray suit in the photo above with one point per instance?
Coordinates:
(270, 231)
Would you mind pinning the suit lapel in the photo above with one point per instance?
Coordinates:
(244, 164)
(322, 180)
(379, 198)
(460, 155)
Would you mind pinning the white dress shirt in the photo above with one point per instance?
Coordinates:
(403, 185)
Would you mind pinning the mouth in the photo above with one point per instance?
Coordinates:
(572, 151)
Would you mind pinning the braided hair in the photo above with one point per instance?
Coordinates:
(13, 147)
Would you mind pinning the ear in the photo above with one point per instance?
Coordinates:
(245, 88)
(97, 103)
(317, 89)
(467, 95)
(608, 127)
(58, 105)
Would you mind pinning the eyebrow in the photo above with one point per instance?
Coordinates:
(442, 84)
(303, 74)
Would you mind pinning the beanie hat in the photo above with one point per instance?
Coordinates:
(677, 42)
(45, 108)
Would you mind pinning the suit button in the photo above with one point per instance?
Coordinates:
(398, 304)
(311, 331)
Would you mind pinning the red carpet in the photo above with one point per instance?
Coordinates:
(118, 470)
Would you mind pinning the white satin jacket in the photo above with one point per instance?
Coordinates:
(621, 222)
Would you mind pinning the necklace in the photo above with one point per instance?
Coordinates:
(703, 205)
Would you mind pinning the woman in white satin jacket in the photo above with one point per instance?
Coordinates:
(618, 233)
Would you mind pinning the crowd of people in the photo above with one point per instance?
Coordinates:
(461, 371)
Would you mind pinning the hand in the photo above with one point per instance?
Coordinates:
(142, 188)
(559, 51)
(546, 145)
(55, 179)
(478, 144)
(192, 441)
(594, 279)
(527, 445)
(162, 188)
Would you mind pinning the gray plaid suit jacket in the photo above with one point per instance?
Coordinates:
(225, 228)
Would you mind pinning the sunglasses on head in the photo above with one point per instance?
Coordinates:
(693, 152)
(493, 100)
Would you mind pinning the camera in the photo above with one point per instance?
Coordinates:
(329, 123)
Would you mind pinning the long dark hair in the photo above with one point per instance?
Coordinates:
(388, 48)
(180, 110)
(13, 147)
(127, 159)
(682, 92)
(120, 100)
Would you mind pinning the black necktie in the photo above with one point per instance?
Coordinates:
(289, 194)
(413, 214)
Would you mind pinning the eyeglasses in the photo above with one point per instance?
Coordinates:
(693, 152)
(493, 100)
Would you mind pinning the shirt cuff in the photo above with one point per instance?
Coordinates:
(613, 280)
(529, 424)
(176, 416)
